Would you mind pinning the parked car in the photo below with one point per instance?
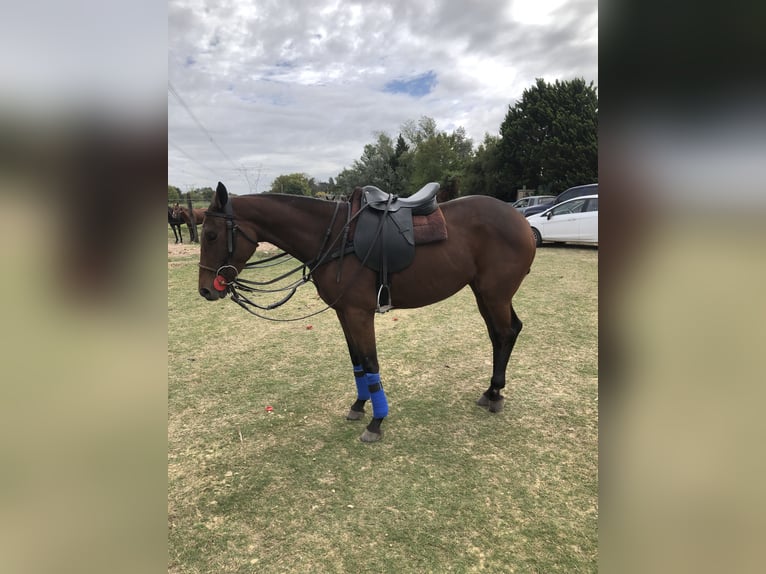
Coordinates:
(572, 192)
(573, 221)
(531, 200)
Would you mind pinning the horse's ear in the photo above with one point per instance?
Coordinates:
(221, 194)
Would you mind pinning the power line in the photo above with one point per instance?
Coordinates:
(204, 130)
(184, 153)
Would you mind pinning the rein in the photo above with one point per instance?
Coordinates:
(237, 286)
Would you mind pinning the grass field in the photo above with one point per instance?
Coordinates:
(450, 488)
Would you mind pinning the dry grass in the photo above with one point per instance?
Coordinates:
(451, 488)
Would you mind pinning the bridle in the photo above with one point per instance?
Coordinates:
(231, 240)
(237, 284)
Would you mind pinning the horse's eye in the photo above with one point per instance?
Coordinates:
(211, 235)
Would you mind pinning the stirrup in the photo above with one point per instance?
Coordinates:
(386, 306)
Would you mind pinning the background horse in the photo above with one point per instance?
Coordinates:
(175, 224)
(489, 247)
(183, 214)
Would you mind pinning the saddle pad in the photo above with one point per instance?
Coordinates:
(429, 228)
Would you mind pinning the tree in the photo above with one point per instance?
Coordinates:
(401, 147)
(204, 194)
(483, 174)
(438, 156)
(550, 137)
(174, 194)
(435, 155)
(401, 167)
(417, 133)
(293, 184)
(347, 180)
(374, 167)
(422, 154)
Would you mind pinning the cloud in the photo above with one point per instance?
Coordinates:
(289, 86)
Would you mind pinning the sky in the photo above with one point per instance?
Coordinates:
(258, 89)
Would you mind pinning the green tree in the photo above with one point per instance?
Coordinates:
(401, 167)
(347, 180)
(174, 194)
(550, 137)
(422, 154)
(199, 194)
(205, 194)
(374, 167)
(438, 156)
(293, 184)
(483, 173)
(401, 147)
(418, 132)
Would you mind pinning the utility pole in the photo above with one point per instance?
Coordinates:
(193, 224)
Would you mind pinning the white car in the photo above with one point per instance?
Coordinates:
(575, 220)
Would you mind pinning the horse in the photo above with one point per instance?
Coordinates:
(489, 246)
(183, 214)
(175, 224)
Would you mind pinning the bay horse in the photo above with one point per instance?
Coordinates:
(183, 214)
(489, 247)
(175, 224)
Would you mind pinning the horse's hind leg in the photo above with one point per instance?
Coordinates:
(504, 327)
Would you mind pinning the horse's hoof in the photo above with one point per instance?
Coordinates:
(368, 436)
(494, 406)
(354, 415)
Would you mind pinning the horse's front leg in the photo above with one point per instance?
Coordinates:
(359, 331)
(356, 412)
(373, 432)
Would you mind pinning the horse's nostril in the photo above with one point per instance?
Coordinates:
(204, 292)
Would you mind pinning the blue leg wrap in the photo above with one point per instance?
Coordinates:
(378, 396)
(362, 392)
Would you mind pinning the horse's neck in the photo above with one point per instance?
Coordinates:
(294, 224)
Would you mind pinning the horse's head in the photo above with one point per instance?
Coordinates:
(224, 247)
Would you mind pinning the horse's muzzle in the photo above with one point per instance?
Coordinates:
(212, 295)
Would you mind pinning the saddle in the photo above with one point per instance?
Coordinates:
(388, 229)
(421, 202)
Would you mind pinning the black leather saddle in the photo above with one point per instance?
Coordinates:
(421, 202)
(384, 238)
